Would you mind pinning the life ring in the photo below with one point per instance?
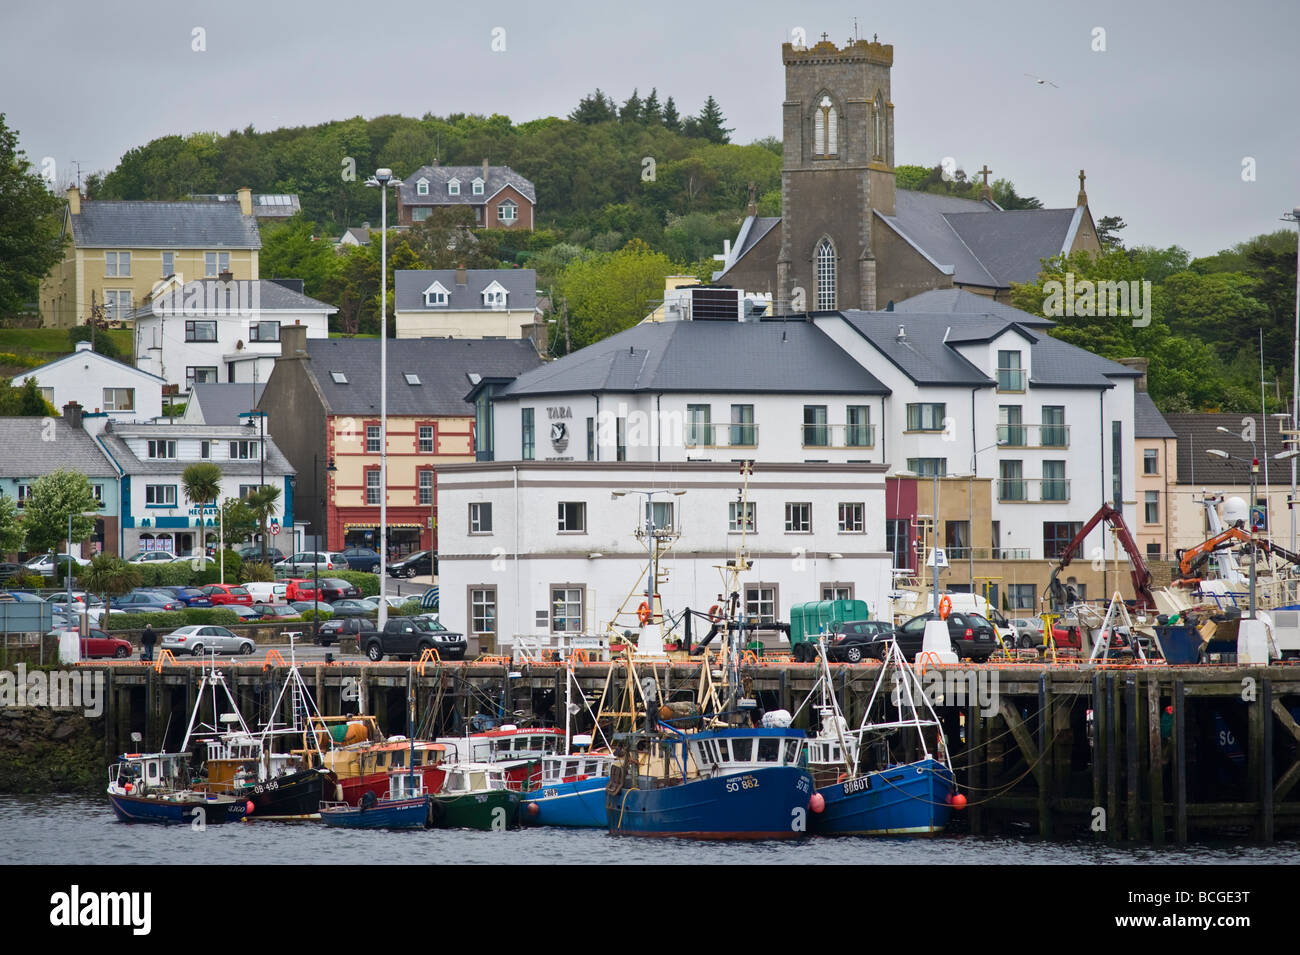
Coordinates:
(945, 607)
(715, 614)
(643, 613)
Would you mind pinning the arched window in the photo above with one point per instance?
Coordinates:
(826, 129)
(881, 152)
(825, 275)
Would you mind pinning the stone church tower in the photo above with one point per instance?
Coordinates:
(838, 131)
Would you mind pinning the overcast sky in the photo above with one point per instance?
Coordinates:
(1162, 120)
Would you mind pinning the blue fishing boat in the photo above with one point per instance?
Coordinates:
(154, 787)
(571, 793)
(406, 806)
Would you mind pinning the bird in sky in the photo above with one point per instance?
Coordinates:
(1042, 82)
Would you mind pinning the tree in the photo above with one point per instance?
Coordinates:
(237, 520)
(710, 122)
(608, 292)
(1108, 229)
(31, 237)
(110, 577)
(53, 497)
(596, 108)
(631, 111)
(652, 113)
(293, 249)
(11, 527)
(24, 401)
(672, 122)
(264, 503)
(201, 482)
(104, 345)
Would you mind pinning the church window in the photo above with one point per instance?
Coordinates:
(825, 275)
(880, 126)
(825, 129)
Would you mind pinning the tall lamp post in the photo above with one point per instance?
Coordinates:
(651, 641)
(382, 179)
(261, 456)
(1294, 216)
(315, 553)
(970, 501)
(71, 515)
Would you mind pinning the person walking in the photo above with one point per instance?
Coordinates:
(147, 641)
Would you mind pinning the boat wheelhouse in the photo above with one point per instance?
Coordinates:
(519, 752)
(571, 792)
(404, 805)
(476, 796)
(155, 787)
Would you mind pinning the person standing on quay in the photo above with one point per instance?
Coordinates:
(147, 641)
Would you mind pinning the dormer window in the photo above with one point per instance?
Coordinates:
(422, 187)
(478, 186)
(494, 296)
(453, 187)
(435, 295)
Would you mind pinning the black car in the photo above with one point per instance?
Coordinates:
(254, 553)
(421, 563)
(972, 636)
(333, 589)
(332, 631)
(363, 559)
(855, 640)
(411, 636)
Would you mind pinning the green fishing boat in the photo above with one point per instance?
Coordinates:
(474, 796)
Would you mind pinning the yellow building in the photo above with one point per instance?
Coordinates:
(121, 250)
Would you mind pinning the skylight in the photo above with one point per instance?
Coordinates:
(411, 379)
(339, 378)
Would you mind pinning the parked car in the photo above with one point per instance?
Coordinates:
(254, 552)
(302, 590)
(275, 611)
(7, 570)
(145, 601)
(971, 635)
(245, 614)
(421, 563)
(153, 557)
(308, 562)
(98, 644)
(1065, 637)
(332, 631)
(224, 595)
(196, 639)
(362, 559)
(411, 636)
(855, 640)
(351, 608)
(393, 601)
(190, 596)
(198, 561)
(81, 603)
(334, 588)
(303, 606)
(265, 591)
(45, 564)
(26, 596)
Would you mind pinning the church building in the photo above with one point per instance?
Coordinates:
(848, 238)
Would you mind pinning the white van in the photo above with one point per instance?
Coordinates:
(267, 591)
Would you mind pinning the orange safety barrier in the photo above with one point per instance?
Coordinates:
(429, 653)
(749, 656)
(580, 655)
(273, 656)
(163, 656)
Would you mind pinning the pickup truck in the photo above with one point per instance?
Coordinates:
(411, 636)
(333, 631)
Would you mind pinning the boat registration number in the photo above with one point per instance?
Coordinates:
(270, 786)
(741, 782)
(857, 785)
(550, 793)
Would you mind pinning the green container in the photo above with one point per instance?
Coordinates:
(808, 620)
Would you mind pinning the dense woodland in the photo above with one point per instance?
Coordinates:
(629, 193)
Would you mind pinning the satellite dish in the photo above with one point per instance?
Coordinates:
(1235, 511)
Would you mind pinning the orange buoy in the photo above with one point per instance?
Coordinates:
(817, 803)
(643, 613)
(958, 801)
(945, 607)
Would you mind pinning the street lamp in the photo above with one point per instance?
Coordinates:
(382, 179)
(71, 515)
(1294, 216)
(651, 641)
(315, 553)
(970, 516)
(261, 456)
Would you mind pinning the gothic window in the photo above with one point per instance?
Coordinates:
(880, 126)
(825, 275)
(826, 129)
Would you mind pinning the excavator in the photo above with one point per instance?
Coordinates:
(1192, 560)
(1061, 595)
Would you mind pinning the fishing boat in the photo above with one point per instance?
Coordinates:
(404, 806)
(913, 797)
(156, 787)
(519, 751)
(362, 759)
(476, 796)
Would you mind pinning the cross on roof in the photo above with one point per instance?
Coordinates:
(985, 173)
(1081, 178)
(823, 37)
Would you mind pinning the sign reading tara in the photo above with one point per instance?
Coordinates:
(559, 419)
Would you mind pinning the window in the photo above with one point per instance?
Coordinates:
(852, 518)
(117, 265)
(119, 399)
(837, 591)
(1150, 461)
(426, 487)
(898, 541)
(1021, 596)
(743, 434)
(1117, 462)
(825, 129)
(420, 214)
(857, 429)
(168, 264)
(426, 439)
(453, 187)
(591, 439)
(760, 602)
(494, 297)
(200, 376)
(1057, 536)
(422, 187)
(566, 609)
(435, 295)
(247, 489)
(1153, 550)
(1011, 430)
(117, 302)
(205, 450)
(815, 432)
(264, 331)
(372, 487)
(956, 538)
(1011, 483)
(507, 211)
(734, 521)
(160, 449)
(699, 425)
(476, 187)
(825, 275)
(661, 514)
(1055, 486)
(798, 518)
(214, 263)
(620, 439)
(160, 495)
(98, 491)
(338, 378)
(410, 378)
(24, 492)
(1010, 375)
(529, 435)
(1151, 512)
(480, 517)
(200, 331)
(372, 439)
(572, 517)
(925, 417)
(48, 394)
(483, 610)
(1054, 433)
(928, 467)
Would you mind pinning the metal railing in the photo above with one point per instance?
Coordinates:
(839, 435)
(727, 435)
(1034, 435)
(1011, 379)
(1033, 490)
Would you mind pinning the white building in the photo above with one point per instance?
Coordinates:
(100, 384)
(210, 331)
(545, 549)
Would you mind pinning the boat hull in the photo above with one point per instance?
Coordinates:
(903, 800)
(385, 814)
(769, 803)
(577, 805)
(494, 810)
(293, 795)
(175, 812)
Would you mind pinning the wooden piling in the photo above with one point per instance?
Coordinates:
(1265, 708)
(1099, 737)
(1133, 804)
(1155, 764)
(1180, 763)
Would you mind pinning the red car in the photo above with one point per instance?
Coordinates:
(100, 644)
(221, 594)
(299, 588)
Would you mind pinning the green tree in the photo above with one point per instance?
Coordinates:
(652, 113)
(672, 122)
(201, 483)
(264, 503)
(596, 108)
(632, 109)
(104, 345)
(109, 577)
(24, 401)
(1108, 230)
(238, 521)
(12, 533)
(31, 237)
(608, 292)
(53, 497)
(295, 250)
(711, 122)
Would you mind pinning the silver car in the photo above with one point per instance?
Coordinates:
(197, 639)
(305, 562)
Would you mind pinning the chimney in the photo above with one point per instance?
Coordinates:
(366, 225)
(245, 201)
(74, 201)
(84, 346)
(485, 168)
(72, 413)
(462, 277)
(293, 342)
(1137, 364)
(902, 335)
(434, 164)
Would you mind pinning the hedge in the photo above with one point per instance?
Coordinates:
(368, 584)
(312, 615)
(171, 619)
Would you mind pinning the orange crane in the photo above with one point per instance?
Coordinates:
(1191, 560)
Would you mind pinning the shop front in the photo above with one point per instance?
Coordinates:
(406, 533)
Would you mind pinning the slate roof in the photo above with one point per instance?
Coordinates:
(960, 301)
(29, 452)
(922, 354)
(359, 233)
(1147, 420)
(222, 404)
(444, 367)
(768, 357)
(265, 295)
(409, 286)
(276, 462)
(89, 355)
(165, 225)
(1196, 433)
(498, 177)
(760, 227)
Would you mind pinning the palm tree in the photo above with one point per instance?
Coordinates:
(263, 503)
(202, 482)
(110, 577)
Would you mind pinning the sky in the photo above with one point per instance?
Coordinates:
(1186, 121)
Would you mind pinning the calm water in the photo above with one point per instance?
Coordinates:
(67, 829)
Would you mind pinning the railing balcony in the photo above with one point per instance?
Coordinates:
(842, 436)
(1033, 490)
(1011, 379)
(730, 435)
(1034, 435)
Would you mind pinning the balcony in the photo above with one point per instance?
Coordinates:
(1034, 435)
(839, 436)
(1011, 379)
(733, 435)
(1033, 490)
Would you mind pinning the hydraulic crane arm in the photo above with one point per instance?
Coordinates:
(1137, 566)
